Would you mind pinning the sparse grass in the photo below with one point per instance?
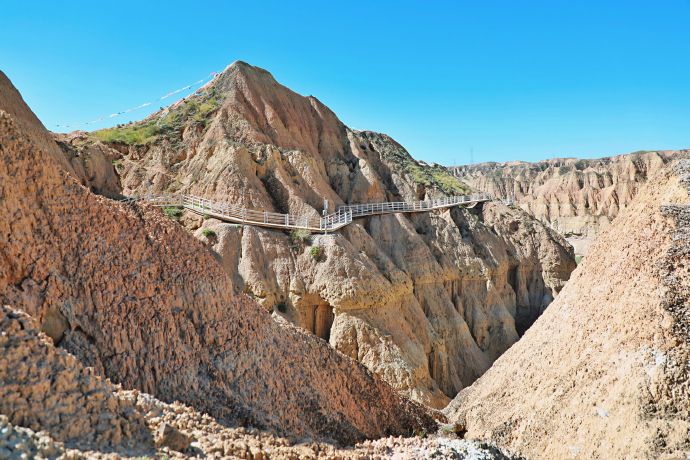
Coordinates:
(317, 253)
(174, 212)
(432, 176)
(300, 236)
(447, 430)
(435, 176)
(196, 108)
(208, 233)
(132, 134)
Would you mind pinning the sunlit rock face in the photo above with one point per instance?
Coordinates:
(603, 373)
(577, 198)
(138, 300)
(428, 300)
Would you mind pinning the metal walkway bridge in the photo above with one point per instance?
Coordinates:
(331, 222)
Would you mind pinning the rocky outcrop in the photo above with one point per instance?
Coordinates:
(603, 373)
(94, 164)
(131, 294)
(578, 198)
(425, 300)
(59, 409)
(43, 388)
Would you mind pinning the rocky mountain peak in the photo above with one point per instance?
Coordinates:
(420, 279)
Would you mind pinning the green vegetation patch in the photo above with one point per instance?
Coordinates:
(208, 233)
(132, 134)
(174, 212)
(438, 177)
(563, 170)
(435, 176)
(195, 109)
(317, 253)
(300, 235)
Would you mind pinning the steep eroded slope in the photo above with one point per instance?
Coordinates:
(132, 294)
(603, 373)
(426, 300)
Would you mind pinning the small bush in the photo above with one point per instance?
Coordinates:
(302, 236)
(208, 233)
(174, 212)
(299, 238)
(281, 307)
(578, 259)
(317, 253)
(118, 165)
(133, 134)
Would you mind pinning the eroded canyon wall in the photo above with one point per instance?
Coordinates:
(137, 298)
(603, 373)
(426, 300)
(576, 197)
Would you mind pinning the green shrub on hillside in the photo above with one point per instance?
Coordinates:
(132, 134)
(196, 108)
(300, 236)
(435, 176)
(174, 212)
(317, 253)
(563, 170)
(208, 233)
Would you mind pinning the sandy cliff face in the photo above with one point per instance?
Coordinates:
(578, 198)
(94, 164)
(603, 373)
(131, 294)
(427, 301)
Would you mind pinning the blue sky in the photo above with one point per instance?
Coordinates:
(505, 80)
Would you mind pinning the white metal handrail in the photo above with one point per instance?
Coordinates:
(342, 217)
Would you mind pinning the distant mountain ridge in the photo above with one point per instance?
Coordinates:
(577, 197)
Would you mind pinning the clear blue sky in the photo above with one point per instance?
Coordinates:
(508, 79)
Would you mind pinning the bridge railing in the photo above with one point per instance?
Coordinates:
(339, 219)
(406, 206)
(244, 215)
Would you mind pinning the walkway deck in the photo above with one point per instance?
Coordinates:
(342, 217)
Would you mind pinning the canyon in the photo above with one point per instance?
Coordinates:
(138, 300)
(603, 373)
(576, 197)
(132, 330)
(427, 301)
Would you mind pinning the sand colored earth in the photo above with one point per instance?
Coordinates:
(133, 295)
(577, 197)
(427, 301)
(603, 373)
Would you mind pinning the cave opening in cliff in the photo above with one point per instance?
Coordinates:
(323, 320)
(513, 279)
